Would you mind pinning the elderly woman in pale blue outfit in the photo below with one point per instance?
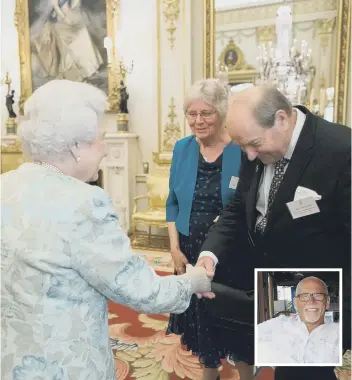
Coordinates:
(64, 254)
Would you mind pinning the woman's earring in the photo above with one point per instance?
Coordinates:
(78, 158)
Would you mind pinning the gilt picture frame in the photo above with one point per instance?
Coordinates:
(65, 42)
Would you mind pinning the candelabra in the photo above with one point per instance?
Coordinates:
(11, 123)
(222, 73)
(120, 94)
(288, 68)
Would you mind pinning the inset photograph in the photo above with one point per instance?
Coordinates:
(298, 314)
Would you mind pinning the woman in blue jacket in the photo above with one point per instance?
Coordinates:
(203, 178)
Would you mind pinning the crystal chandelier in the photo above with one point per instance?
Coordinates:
(286, 67)
(222, 73)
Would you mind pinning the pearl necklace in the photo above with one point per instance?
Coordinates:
(51, 167)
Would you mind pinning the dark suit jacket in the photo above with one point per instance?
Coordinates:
(321, 162)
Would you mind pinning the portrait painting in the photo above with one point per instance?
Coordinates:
(231, 58)
(64, 40)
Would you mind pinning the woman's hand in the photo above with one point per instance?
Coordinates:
(180, 260)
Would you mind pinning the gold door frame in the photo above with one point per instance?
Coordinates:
(342, 75)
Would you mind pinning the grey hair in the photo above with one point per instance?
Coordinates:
(298, 287)
(212, 91)
(271, 101)
(59, 115)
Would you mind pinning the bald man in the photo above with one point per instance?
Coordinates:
(292, 206)
(303, 338)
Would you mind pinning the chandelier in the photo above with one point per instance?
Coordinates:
(221, 73)
(285, 66)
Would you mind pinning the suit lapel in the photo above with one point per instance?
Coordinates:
(296, 168)
(252, 196)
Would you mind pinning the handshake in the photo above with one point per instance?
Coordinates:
(201, 276)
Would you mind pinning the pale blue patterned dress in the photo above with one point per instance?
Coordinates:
(63, 256)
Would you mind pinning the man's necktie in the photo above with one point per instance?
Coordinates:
(279, 172)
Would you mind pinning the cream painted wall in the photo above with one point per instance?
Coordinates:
(139, 44)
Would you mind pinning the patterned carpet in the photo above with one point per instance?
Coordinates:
(143, 351)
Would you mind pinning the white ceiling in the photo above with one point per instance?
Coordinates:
(232, 4)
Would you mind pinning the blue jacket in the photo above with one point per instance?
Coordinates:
(183, 176)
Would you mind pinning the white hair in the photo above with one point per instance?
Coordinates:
(58, 115)
(212, 91)
(299, 285)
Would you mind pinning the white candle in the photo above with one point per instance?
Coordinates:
(108, 47)
(284, 32)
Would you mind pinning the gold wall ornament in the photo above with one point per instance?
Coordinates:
(343, 63)
(265, 34)
(209, 39)
(172, 130)
(22, 23)
(326, 26)
(171, 14)
(21, 18)
(232, 57)
(325, 29)
(113, 6)
(238, 71)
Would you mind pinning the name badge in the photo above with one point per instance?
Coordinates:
(233, 183)
(303, 207)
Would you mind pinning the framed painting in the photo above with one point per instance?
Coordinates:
(232, 58)
(64, 39)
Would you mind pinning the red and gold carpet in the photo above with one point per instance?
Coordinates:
(143, 351)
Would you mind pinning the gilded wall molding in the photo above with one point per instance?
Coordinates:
(266, 12)
(325, 29)
(22, 25)
(209, 39)
(172, 130)
(171, 14)
(325, 26)
(266, 34)
(343, 60)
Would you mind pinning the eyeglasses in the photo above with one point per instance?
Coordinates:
(192, 116)
(305, 297)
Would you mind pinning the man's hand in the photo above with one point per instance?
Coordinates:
(207, 263)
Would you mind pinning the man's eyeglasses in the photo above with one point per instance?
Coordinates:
(305, 297)
(192, 116)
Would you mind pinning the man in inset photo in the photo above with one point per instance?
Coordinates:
(302, 338)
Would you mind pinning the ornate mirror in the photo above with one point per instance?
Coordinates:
(239, 35)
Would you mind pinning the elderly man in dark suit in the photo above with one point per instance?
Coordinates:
(292, 207)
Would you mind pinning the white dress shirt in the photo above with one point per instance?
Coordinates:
(286, 339)
(267, 176)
